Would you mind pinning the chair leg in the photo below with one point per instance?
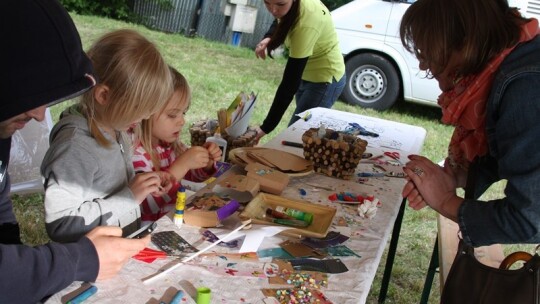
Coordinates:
(391, 253)
(433, 265)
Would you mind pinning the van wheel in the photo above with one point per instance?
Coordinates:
(372, 82)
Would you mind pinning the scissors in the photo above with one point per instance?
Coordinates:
(394, 156)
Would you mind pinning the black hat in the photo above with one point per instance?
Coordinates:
(41, 58)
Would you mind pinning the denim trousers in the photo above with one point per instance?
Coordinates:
(317, 94)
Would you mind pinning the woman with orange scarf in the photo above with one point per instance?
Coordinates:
(486, 58)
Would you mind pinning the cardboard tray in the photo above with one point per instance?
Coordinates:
(322, 215)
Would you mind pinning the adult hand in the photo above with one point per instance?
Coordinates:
(259, 135)
(260, 49)
(414, 198)
(113, 250)
(143, 184)
(460, 174)
(435, 185)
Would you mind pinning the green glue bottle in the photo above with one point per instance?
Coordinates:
(297, 214)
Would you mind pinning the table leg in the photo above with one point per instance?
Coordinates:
(391, 253)
(433, 265)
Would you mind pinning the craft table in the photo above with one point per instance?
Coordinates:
(368, 237)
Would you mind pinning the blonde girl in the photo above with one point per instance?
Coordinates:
(158, 148)
(88, 175)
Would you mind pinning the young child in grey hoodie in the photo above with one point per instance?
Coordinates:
(88, 175)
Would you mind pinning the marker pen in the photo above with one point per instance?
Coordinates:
(83, 295)
(292, 144)
(177, 297)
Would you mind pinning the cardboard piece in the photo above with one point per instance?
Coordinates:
(282, 161)
(199, 218)
(299, 250)
(203, 211)
(270, 180)
(238, 187)
(285, 162)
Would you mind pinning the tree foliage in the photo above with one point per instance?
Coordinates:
(115, 9)
(121, 9)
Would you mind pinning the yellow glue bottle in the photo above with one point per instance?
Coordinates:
(180, 206)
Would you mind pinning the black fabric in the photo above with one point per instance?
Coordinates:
(292, 76)
(271, 29)
(41, 58)
(10, 234)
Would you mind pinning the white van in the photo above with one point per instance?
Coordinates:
(379, 70)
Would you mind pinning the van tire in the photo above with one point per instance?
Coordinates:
(372, 82)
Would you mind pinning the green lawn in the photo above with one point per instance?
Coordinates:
(217, 73)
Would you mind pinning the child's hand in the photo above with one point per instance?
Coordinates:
(194, 158)
(214, 152)
(143, 184)
(167, 182)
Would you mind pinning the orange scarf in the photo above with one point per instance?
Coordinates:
(464, 106)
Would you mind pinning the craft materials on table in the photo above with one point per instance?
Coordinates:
(292, 144)
(172, 243)
(307, 116)
(333, 153)
(180, 206)
(321, 216)
(168, 269)
(326, 265)
(356, 129)
(395, 156)
(211, 237)
(241, 265)
(149, 255)
(177, 297)
(204, 295)
(333, 238)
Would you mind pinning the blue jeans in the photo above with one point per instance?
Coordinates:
(317, 94)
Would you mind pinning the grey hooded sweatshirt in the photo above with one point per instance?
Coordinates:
(86, 184)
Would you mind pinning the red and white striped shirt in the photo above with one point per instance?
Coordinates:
(154, 207)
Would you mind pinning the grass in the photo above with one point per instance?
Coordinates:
(217, 73)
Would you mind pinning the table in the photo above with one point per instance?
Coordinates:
(368, 237)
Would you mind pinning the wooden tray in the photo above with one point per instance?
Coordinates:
(322, 215)
(240, 157)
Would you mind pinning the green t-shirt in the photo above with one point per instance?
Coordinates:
(314, 36)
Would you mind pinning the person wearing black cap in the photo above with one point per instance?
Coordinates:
(42, 64)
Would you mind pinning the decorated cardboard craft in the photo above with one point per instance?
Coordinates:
(209, 211)
(238, 187)
(270, 180)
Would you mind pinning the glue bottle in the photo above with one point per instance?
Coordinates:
(222, 144)
(297, 214)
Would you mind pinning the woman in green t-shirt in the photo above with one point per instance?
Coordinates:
(315, 70)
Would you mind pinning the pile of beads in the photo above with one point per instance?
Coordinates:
(300, 296)
(302, 280)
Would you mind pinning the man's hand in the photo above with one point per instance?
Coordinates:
(113, 250)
